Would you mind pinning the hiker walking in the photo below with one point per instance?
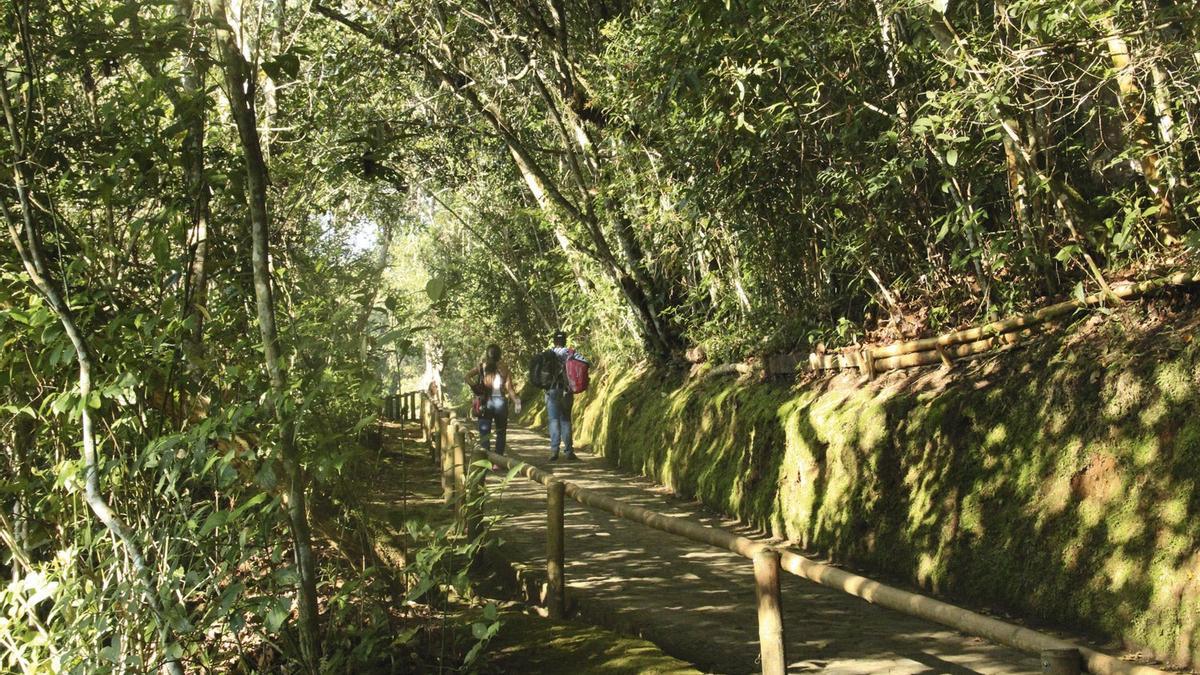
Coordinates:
(493, 386)
(562, 372)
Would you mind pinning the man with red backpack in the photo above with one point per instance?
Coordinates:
(570, 379)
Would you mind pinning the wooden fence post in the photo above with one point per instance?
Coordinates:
(556, 600)
(770, 612)
(459, 458)
(1061, 662)
(424, 420)
(448, 427)
(475, 479)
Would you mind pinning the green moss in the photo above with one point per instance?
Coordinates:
(1055, 491)
(528, 644)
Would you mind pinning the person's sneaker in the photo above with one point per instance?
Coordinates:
(572, 456)
(554, 457)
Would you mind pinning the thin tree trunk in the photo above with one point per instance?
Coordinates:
(657, 337)
(1131, 98)
(241, 85)
(270, 87)
(23, 439)
(364, 314)
(195, 112)
(30, 253)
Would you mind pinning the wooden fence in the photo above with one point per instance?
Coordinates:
(949, 347)
(447, 438)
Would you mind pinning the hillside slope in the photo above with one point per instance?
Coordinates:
(1057, 482)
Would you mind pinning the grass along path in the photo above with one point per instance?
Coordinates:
(406, 487)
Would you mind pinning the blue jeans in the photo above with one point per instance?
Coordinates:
(558, 410)
(494, 414)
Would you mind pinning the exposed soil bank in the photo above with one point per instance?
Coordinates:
(1057, 482)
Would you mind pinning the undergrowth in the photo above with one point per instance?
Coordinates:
(1057, 482)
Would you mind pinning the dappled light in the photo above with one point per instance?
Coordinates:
(908, 287)
(693, 600)
(1065, 470)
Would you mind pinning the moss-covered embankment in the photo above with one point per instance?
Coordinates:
(1058, 482)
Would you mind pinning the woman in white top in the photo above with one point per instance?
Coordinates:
(493, 381)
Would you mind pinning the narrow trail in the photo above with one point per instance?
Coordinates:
(697, 602)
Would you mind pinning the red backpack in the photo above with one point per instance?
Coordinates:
(577, 372)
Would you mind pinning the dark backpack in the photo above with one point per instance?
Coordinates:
(546, 370)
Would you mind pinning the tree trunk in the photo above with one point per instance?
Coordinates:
(658, 337)
(30, 253)
(241, 86)
(194, 99)
(1132, 99)
(364, 313)
(270, 87)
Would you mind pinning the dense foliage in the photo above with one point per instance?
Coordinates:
(759, 176)
(225, 224)
(160, 479)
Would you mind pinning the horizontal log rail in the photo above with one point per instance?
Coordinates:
(448, 439)
(944, 349)
(1121, 292)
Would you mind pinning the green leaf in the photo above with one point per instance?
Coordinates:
(435, 289)
(406, 636)
(213, 521)
(952, 157)
(1065, 253)
(276, 616)
(249, 503)
(283, 67)
(1192, 239)
(125, 12)
(392, 335)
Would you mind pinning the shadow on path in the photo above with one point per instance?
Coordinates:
(697, 602)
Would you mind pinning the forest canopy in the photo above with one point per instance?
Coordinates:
(231, 225)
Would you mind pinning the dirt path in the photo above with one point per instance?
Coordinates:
(697, 602)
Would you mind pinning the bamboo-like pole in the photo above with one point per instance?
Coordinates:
(974, 340)
(946, 614)
(870, 590)
(555, 586)
(933, 356)
(960, 351)
(772, 650)
(1034, 318)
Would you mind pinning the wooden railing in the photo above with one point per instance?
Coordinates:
(947, 348)
(447, 438)
(402, 407)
